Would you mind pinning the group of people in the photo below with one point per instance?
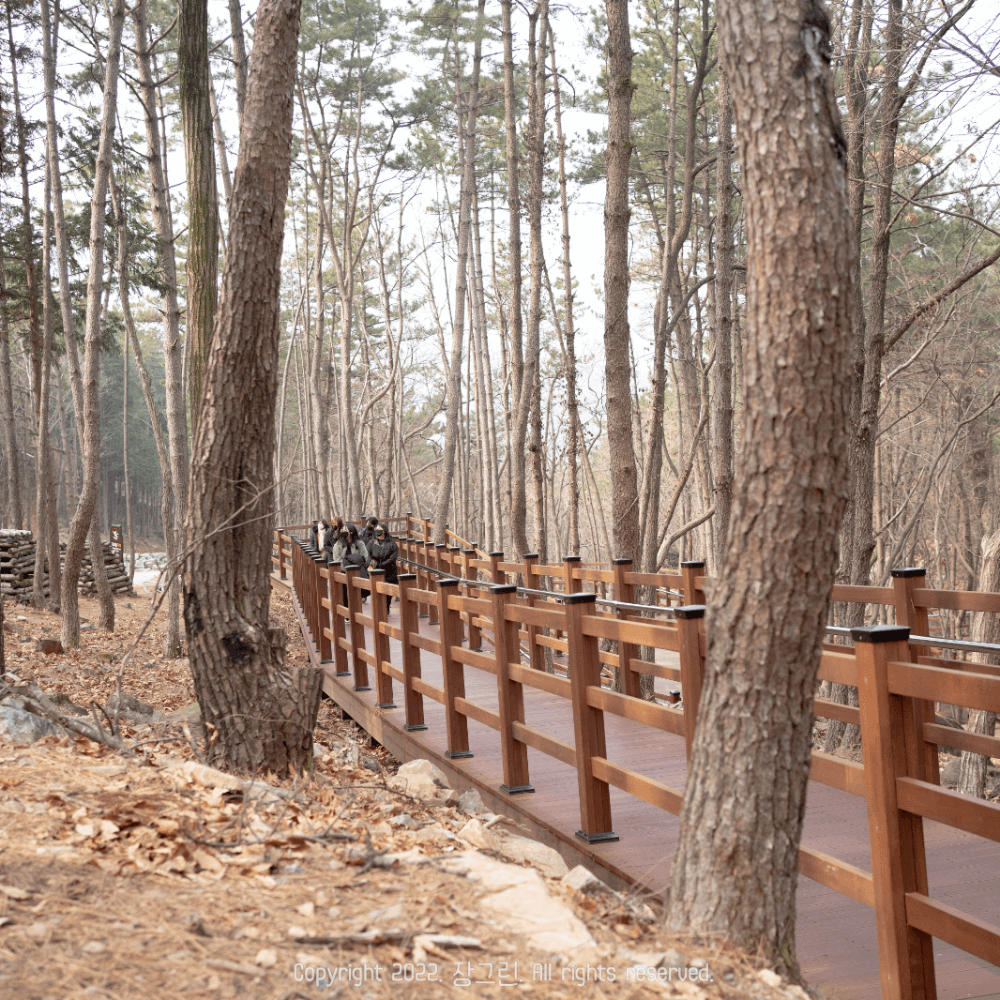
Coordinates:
(371, 547)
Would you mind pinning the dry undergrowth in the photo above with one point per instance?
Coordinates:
(155, 877)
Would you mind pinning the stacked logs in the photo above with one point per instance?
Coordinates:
(17, 566)
(17, 562)
(117, 577)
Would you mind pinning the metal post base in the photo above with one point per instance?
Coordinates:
(516, 789)
(597, 838)
(414, 729)
(367, 687)
(458, 754)
(386, 704)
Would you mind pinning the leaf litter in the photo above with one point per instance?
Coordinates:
(153, 875)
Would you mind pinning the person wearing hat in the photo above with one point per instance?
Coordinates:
(368, 531)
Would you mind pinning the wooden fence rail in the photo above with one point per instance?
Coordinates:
(468, 593)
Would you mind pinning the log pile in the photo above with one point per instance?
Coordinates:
(17, 562)
(117, 576)
(17, 566)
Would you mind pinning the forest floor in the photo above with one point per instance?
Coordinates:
(153, 876)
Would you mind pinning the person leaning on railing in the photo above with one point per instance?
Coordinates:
(384, 553)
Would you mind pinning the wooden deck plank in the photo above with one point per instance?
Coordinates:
(835, 935)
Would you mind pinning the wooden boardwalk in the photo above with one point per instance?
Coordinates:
(836, 935)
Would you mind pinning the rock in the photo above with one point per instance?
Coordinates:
(64, 704)
(769, 978)
(475, 834)
(370, 764)
(49, 647)
(520, 903)
(266, 958)
(382, 919)
(583, 880)
(422, 779)
(471, 802)
(93, 947)
(128, 704)
(404, 820)
(523, 850)
(675, 959)
(20, 726)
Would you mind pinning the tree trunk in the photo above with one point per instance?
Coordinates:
(15, 509)
(203, 199)
(452, 429)
(722, 383)
(261, 712)
(91, 439)
(986, 628)
(519, 403)
(736, 867)
(617, 344)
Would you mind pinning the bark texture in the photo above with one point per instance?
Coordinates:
(261, 713)
(203, 198)
(617, 353)
(85, 510)
(736, 866)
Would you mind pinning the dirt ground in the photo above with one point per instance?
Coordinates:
(153, 876)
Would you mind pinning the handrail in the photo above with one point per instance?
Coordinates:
(962, 645)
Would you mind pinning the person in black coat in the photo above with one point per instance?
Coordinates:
(384, 553)
(368, 531)
(354, 554)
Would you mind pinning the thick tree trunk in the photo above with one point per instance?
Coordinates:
(261, 712)
(737, 858)
(84, 516)
(617, 346)
(203, 198)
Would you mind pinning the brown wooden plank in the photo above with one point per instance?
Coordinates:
(538, 740)
(539, 617)
(863, 595)
(988, 746)
(847, 775)
(645, 712)
(949, 924)
(963, 666)
(669, 581)
(936, 684)
(425, 597)
(425, 642)
(949, 807)
(473, 658)
(539, 679)
(559, 645)
(656, 669)
(419, 684)
(636, 633)
(837, 875)
(469, 605)
(392, 631)
(839, 668)
(366, 657)
(654, 792)
(473, 711)
(831, 710)
(955, 600)
(595, 575)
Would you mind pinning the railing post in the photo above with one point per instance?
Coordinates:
(470, 573)
(692, 667)
(435, 561)
(452, 672)
(572, 584)
(588, 723)
(337, 618)
(380, 641)
(510, 694)
(536, 655)
(325, 616)
(413, 700)
(626, 650)
(690, 570)
(357, 631)
(281, 556)
(906, 957)
(454, 568)
(904, 582)
(497, 576)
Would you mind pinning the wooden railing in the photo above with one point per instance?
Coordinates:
(468, 592)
